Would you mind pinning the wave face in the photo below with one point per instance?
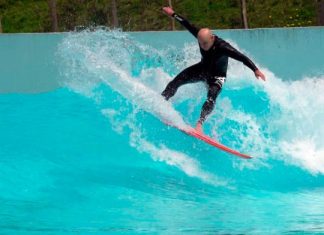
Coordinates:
(95, 156)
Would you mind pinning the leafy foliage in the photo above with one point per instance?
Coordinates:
(141, 15)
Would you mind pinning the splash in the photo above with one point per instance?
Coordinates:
(290, 128)
(104, 57)
(277, 120)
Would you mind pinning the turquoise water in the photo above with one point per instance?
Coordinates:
(83, 149)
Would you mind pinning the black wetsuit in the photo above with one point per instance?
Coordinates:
(211, 69)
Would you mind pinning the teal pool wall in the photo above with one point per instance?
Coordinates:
(28, 62)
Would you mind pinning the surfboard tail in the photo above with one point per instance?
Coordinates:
(194, 133)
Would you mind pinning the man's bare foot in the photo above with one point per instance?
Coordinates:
(199, 127)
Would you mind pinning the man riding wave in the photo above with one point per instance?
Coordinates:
(211, 69)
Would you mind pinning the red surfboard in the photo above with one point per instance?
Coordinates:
(193, 132)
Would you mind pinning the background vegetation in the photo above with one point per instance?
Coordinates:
(142, 15)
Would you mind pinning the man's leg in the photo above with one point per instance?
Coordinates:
(207, 108)
(189, 75)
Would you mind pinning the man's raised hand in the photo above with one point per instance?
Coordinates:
(168, 10)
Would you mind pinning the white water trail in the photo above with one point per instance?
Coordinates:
(162, 153)
(91, 61)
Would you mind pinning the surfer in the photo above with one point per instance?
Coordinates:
(211, 69)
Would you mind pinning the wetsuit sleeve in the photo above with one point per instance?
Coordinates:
(192, 29)
(235, 54)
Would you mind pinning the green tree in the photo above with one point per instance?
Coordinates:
(24, 16)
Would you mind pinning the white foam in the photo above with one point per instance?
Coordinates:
(295, 133)
(305, 154)
(180, 160)
(162, 153)
(300, 123)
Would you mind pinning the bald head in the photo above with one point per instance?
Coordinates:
(205, 38)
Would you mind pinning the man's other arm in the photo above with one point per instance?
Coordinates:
(235, 54)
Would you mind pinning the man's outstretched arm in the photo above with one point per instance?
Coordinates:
(235, 54)
(192, 29)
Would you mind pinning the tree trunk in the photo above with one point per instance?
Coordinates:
(0, 24)
(114, 13)
(244, 14)
(52, 7)
(172, 23)
(320, 6)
